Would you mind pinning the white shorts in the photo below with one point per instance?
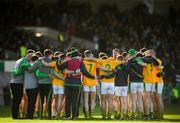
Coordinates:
(107, 88)
(150, 87)
(136, 87)
(57, 89)
(121, 90)
(89, 88)
(159, 88)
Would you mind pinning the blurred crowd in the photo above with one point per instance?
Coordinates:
(109, 27)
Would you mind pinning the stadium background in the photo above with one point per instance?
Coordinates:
(100, 25)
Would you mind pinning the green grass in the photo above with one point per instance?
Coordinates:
(172, 114)
(171, 118)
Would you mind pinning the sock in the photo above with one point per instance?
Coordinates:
(120, 115)
(140, 115)
(86, 114)
(91, 113)
(152, 114)
(103, 115)
(23, 115)
(133, 114)
(155, 114)
(109, 114)
(53, 114)
(116, 115)
(159, 115)
(63, 114)
(58, 115)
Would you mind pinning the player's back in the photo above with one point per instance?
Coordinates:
(109, 63)
(91, 67)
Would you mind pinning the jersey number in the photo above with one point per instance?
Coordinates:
(90, 67)
(108, 66)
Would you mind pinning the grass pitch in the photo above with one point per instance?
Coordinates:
(172, 114)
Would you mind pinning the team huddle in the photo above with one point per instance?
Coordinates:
(128, 85)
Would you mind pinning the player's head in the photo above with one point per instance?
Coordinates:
(80, 55)
(48, 53)
(120, 58)
(69, 50)
(104, 57)
(152, 52)
(138, 54)
(68, 54)
(74, 53)
(73, 48)
(34, 57)
(28, 56)
(125, 55)
(88, 53)
(147, 53)
(39, 54)
(62, 56)
(132, 53)
(115, 52)
(30, 51)
(142, 50)
(56, 55)
(102, 54)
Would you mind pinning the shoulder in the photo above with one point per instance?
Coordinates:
(19, 60)
(53, 63)
(111, 58)
(159, 60)
(139, 59)
(99, 61)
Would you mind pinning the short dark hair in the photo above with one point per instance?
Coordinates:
(68, 54)
(47, 52)
(39, 54)
(124, 54)
(120, 57)
(34, 57)
(142, 50)
(87, 53)
(74, 53)
(62, 56)
(73, 48)
(102, 54)
(57, 53)
(104, 57)
(139, 54)
(30, 51)
(115, 50)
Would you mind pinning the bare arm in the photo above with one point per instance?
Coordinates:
(142, 64)
(72, 72)
(161, 67)
(68, 71)
(104, 68)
